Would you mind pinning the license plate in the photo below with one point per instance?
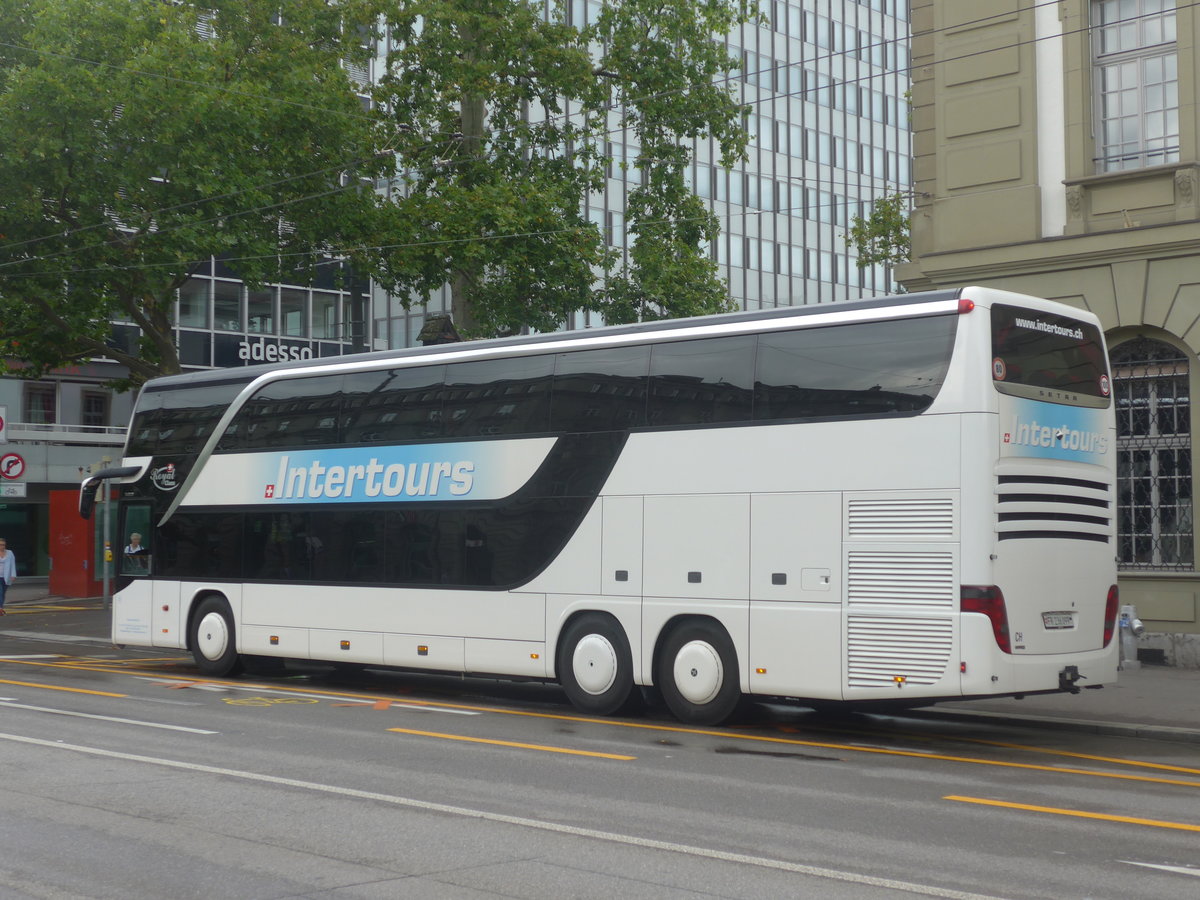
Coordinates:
(1054, 620)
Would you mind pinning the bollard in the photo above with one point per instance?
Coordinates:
(1131, 629)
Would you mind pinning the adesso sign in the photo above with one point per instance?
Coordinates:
(261, 351)
(230, 350)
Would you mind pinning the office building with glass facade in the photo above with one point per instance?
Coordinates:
(825, 83)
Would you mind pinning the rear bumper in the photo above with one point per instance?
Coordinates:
(990, 672)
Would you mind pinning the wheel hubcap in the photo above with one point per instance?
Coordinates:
(212, 636)
(594, 664)
(698, 672)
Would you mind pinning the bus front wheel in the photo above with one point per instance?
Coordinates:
(698, 674)
(214, 646)
(595, 666)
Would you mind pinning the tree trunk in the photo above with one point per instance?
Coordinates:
(472, 113)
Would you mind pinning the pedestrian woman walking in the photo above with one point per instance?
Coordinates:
(8, 571)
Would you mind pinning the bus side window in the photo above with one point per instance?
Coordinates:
(600, 390)
(289, 414)
(136, 556)
(401, 404)
(859, 369)
(702, 382)
(498, 396)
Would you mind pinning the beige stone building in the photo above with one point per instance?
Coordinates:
(1057, 153)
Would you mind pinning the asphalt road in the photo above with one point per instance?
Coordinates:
(126, 774)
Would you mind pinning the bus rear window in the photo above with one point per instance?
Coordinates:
(1044, 356)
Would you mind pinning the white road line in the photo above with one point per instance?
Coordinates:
(553, 827)
(118, 719)
(33, 656)
(69, 638)
(1177, 870)
(252, 689)
(419, 707)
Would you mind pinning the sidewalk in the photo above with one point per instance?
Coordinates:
(1150, 701)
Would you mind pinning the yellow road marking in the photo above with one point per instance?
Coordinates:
(122, 663)
(855, 748)
(1047, 751)
(1116, 761)
(31, 610)
(519, 746)
(266, 701)
(52, 687)
(1077, 813)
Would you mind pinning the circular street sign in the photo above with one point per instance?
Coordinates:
(11, 465)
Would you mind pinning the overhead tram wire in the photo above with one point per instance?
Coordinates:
(191, 224)
(178, 206)
(336, 254)
(188, 81)
(617, 130)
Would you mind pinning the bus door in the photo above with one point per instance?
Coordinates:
(796, 595)
(135, 567)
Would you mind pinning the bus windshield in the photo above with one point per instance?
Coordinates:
(1048, 357)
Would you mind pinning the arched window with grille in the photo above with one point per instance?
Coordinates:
(1154, 456)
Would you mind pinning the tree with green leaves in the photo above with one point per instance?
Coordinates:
(509, 119)
(138, 138)
(882, 237)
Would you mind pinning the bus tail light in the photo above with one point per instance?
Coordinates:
(965, 305)
(1110, 614)
(988, 600)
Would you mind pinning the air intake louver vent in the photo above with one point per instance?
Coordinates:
(1049, 506)
(900, 580)
(900, 519)
(884, 651)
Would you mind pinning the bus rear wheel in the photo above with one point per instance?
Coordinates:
(698, 674)
(595, 666)
(213, 640)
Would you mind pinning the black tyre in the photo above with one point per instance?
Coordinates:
(595, 666)
(213, 639)
(698, 674)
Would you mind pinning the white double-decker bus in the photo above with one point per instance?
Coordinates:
(904, 499)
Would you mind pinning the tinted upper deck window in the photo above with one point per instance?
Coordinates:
(859, 369)
(288, 414)
(178, 422)
(702, 382)
(600, 390)
(498, 396)
(394, 405)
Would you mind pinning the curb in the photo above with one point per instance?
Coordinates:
(49, 598)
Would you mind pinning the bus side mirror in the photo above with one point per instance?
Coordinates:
(87, 498)
(87, 490)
